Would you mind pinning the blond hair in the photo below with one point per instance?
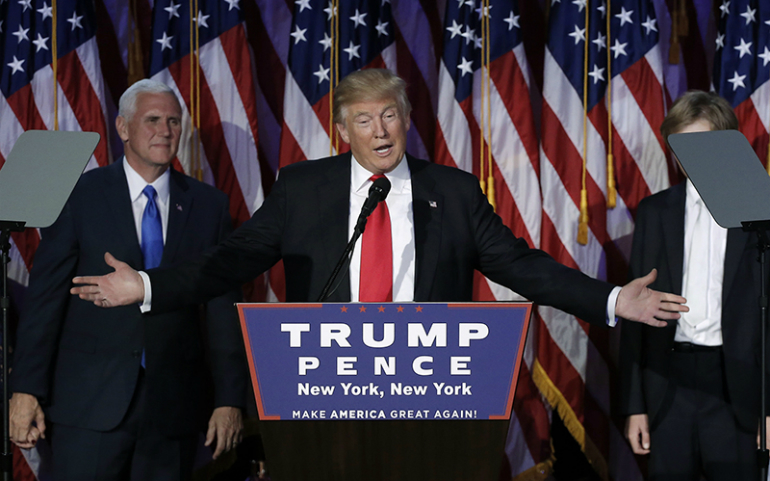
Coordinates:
(366, 85)
(697, 105)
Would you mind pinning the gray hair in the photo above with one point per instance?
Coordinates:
(127, 104)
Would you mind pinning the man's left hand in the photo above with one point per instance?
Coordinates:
(637, 302)
(226, 426)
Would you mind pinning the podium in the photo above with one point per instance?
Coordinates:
(394, 391)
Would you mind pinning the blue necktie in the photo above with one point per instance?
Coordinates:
(152, 230)
(152, 234)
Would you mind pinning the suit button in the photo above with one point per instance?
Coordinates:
(137, 353)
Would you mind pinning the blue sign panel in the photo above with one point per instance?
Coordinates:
(384, 361)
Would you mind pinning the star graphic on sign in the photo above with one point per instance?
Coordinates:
(75, 21)
(600, 41)
(173, 10)
(650, 24)
(744, 48)
(720, 41)
(581, 4)
(579, 35)
(362, 309)
(418, 309)
(344, 308)
(765, 56)
(465, 67)
(625, 16)
(455, 29)
(26, 4)
(330, 11)
(21, 34)
(737, 81)
(381, 308)
(469, 35)
(46, 11)
(619, 48)
(40, 43)
(352, 50)
(602, 8)
(202, 20)
(326, 42)
(725, 7)
(381, 27)
(597, 74)
(749, 15)
(303, 4)
(16, 65)
(233, 4)
(165, 41)
(358, 19)
(298, 34)
(512, 21)
(322, 73)
(400, 309)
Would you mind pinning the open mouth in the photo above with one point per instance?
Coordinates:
(384, 149)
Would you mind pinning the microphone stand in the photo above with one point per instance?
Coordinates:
(6, 227)
(343, 262)
(763, 243)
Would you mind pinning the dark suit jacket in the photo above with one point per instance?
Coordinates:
(304, 221)
(83, 362)
(645, 351)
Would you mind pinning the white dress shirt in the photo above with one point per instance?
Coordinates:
(709, 331)
(399, 203)
(136, 185)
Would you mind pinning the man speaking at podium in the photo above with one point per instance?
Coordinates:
(422, 244)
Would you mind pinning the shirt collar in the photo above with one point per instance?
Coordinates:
(136, 183)
(400, 178)
(692, 195)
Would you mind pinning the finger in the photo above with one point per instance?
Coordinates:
(88, 280)
(210, 434)
(650, 278)
(673, 299)
(33, 435)
(645, 440)
(112, 261)
(40, 421)
(220, 447)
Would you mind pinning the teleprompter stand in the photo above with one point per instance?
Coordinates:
(736, 189)
(35, 182)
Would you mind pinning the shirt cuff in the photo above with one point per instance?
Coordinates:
(146, 305)
(611, 301)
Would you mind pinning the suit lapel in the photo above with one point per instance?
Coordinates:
(115, 191)
(333, 205)
(180, 205)
(427, 208)
(737, 241)
(672, 228)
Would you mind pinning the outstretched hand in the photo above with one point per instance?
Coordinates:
(637, 302)
(119, 288)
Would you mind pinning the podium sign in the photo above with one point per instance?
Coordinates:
(404, 361)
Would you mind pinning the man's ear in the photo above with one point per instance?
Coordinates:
(122, 127)
(343, 132)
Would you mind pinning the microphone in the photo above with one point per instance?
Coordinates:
(377, 192)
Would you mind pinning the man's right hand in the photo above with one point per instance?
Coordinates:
(23, 410)
(638, 433)
(119, 288)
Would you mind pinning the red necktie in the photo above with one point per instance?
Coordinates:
(377, 256)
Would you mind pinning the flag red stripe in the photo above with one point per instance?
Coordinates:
(648, 94)
(22, 102)
(233, 43)
(84, 102)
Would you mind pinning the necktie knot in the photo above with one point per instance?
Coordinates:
(150, 192)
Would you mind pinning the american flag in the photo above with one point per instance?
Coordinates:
(493, 103)
(742, 67)
(31, 99)
(208, 64)
(575, 367)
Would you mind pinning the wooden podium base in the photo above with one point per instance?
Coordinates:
(384, 450)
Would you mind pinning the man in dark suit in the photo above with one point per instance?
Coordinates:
(439, 229)
(125, 392)
(691, 390)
